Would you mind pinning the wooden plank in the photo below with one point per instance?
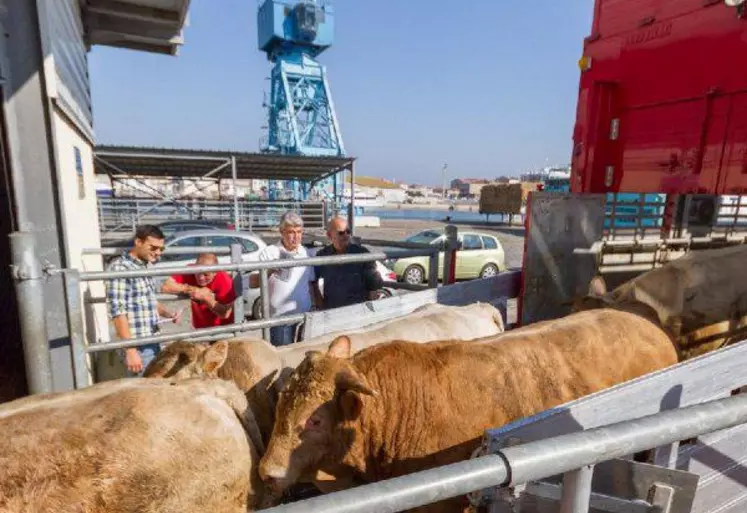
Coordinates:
(493, 290)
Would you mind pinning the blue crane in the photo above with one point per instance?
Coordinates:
(301, 114)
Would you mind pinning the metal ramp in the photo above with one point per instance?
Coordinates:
(718, 460)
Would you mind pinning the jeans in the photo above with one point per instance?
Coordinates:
(283, 335)
(147, 354)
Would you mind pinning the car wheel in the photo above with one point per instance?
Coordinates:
(489, 270)
(257, 309)
(414, 275)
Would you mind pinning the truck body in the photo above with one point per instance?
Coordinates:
(662, 102)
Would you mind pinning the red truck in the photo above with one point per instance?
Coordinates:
(662, 103)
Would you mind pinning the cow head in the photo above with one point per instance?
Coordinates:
(183, 360)
(596, 297)
(315, 416)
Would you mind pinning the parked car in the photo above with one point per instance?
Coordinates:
(251, 246)
(170, 228)
(480, 255)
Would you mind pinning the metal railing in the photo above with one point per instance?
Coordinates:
(572, 455)
(118, 215)
(76, 316)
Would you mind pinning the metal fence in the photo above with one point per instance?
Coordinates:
(76, 316)
(120, 215)
(573, 455)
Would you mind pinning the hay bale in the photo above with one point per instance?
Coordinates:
(502, 198)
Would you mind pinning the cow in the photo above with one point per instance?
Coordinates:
(258, 367)
(693, 298)
(252, 364)
(131, 445)
(399, 407)
(425, 324)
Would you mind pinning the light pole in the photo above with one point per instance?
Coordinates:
(443, 177)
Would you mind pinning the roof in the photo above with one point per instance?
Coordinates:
(372, 181)
(121, 161)
(147, 25)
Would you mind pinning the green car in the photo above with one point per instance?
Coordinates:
(480, 255)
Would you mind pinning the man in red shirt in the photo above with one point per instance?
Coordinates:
(212, 294)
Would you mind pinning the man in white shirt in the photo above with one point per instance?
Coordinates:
(290, 288)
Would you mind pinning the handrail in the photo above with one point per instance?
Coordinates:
(257, 266)
(531, 461)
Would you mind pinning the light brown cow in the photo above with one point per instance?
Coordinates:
(425, 324)
(694, 297)
(127, 446)
(254, 365)
(398, 408)
(251, 364)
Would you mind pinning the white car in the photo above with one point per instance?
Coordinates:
(251, 246)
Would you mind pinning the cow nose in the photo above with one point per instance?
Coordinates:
(270, 473)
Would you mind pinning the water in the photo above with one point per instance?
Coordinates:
(435, 215)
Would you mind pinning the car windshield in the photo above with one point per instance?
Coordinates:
(424, 237)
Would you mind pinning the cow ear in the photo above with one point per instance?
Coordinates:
(597, 287)
(214, 357)
(160, 367)
(348, 379)
(340, 347)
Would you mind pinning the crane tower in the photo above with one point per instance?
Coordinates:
(301, 114)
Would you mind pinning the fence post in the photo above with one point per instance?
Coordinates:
(238, 285)
(29, 284)
(450, 255)
(75, 322)
(577, 490)
(433, 270)
(264, 294)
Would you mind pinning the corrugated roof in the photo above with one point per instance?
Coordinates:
(119, 161)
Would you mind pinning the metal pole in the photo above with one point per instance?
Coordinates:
(452, 245)
(29, 284)
(75, 324)
(530, 461)
(236, 218)
(433, 270)
(238, 285)
(410, 491)
(264, 294)
(351, 215)
(577, 490)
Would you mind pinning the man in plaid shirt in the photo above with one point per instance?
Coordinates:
(132, 301)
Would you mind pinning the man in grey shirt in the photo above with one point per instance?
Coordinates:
(345, 284)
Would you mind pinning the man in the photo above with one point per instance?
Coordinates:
(290, 288)
(132, 301)
(346, 284)
(212, 294)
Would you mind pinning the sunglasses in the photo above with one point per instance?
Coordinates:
(344, 232)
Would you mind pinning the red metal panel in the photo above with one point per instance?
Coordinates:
(733, 176)
(667, 70)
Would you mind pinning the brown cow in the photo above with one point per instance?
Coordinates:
(250, 363)
(131, 445)
(398, 408)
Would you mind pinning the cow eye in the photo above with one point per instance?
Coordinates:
(312, 423)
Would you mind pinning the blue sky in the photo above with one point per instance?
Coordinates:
(487, 86)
